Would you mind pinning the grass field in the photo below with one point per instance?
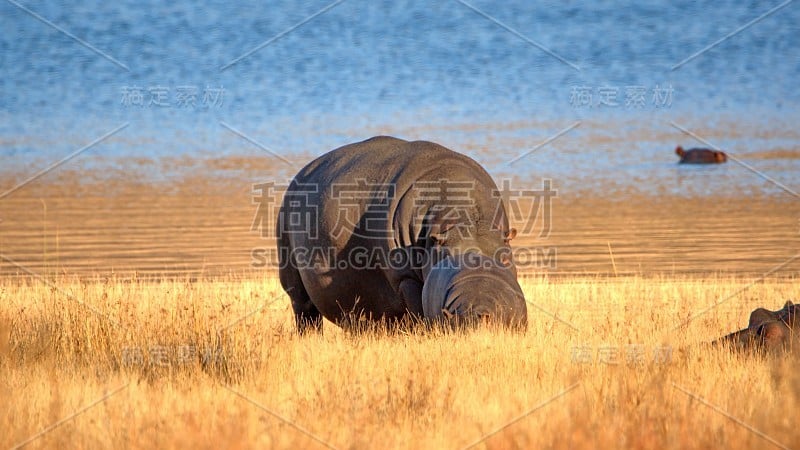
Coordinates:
(606, 362)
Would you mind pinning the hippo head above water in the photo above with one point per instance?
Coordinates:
(700, 156)
(768, 331)
(470, 288)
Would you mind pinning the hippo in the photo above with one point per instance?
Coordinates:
(700, 156)
(364, 229)
(768, 331)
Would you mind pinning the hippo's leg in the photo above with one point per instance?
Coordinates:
(306, 315)
(411, 290)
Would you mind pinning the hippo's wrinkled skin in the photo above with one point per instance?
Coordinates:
(768, 331)
(700, 156)
(465, 286)
(349, 211)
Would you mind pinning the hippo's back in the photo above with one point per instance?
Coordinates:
(380, 166)
(382, 159)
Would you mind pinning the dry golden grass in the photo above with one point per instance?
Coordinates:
(221, 367)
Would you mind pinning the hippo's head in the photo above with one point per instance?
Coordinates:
(449, 238)
(472, 288)
(769, 330)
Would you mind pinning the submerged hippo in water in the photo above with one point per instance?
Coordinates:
(700, 156)
(365, 229)
(768, 331)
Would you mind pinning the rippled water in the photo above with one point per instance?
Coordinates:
(361, 68)
(608, 89)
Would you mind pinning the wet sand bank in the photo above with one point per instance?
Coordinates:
(80, 221)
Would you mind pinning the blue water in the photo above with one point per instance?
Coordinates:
(434, 70)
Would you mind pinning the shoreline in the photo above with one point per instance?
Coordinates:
(86, 222)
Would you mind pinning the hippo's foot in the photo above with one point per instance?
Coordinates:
(306, 315)
(309, 322)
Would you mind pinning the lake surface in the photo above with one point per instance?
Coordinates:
(175, 72)
(593, 97)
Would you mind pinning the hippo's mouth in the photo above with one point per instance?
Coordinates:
(499, 302)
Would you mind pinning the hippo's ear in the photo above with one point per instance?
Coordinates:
(439, 238)
(510, 234)
(760, 317)
(774, 334)
(679, 150)
(790, 314)
(439, 232)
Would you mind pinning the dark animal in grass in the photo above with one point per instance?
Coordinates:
(364, 229)
(768, 331)
(700, 156)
